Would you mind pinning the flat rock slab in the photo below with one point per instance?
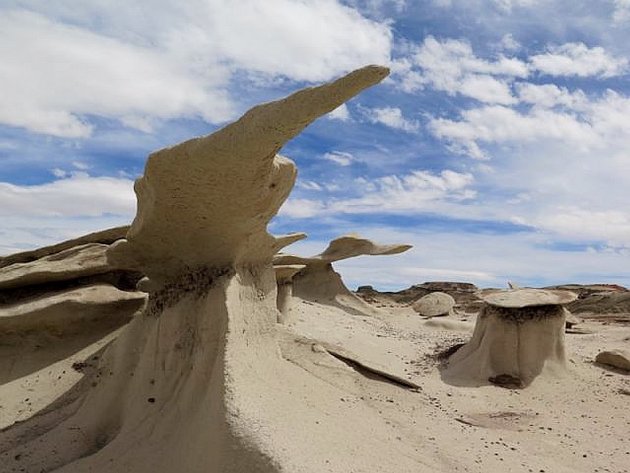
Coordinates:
(57, 311)
(72, 263)
(519, 298)
(104, 236)
(616, 358)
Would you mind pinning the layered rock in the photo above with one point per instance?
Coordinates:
(465, 294)
(193, 382)
(318, 282)
(106, 237)
(519, 334)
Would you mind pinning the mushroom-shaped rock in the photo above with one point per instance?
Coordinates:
(318, 282)
(519, 334)
(284, 277)
(434, 304)
(197, 374)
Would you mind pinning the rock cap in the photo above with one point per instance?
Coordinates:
(519, 298)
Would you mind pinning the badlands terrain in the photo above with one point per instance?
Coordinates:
(215, 349)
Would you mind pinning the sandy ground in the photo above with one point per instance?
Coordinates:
(579, 422)
(575, 423)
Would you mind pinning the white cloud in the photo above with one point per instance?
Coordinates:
(451, 66)
(621, 13)
(577, 59)
(486, 89)
(391, 117)
(550, 95)
(507, 5)
(486, 259)
(341, 113)
(589, 224)
(309, 185)
(71, 206)
(67, 61)
(508, 43)
(79, 195)
(340, 157)
(416, 192)
(301, 208)
(499, 124)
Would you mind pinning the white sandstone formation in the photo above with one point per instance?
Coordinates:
(519, 335)
(435, 304)
(107, 237)
(78, 261)
(284, 280)
(318, 282)
(198, 383)
(63, 311)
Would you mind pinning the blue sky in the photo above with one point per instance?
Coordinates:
(499, 146)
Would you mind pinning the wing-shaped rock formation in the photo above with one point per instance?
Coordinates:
(197, 383)
(318, 282)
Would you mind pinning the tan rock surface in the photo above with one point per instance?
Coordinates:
(103, 236)
(78, 261)
(193, 384)
(434, 304)
(318, 282)
(61, 312)
(252, 184)
(616, 358)
(518, 336)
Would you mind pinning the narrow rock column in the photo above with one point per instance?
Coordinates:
(519, 335)
(284, 279)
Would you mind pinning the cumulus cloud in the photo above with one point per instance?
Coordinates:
(416, 192)
(70, 206)
(451, 66)
(391, 117)
(577, 59)
(67, 61)
(79, 195)
(498, 124)
(598, 125)
(550, 95)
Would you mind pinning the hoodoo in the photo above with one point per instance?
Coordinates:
(519, 335)
(192, 383)
(284, 279)
(318, 281)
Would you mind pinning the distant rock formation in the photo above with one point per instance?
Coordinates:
(519, 334)
(465, 294)
(195, 384)
(318, 282)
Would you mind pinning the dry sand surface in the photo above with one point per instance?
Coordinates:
(205, 374)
